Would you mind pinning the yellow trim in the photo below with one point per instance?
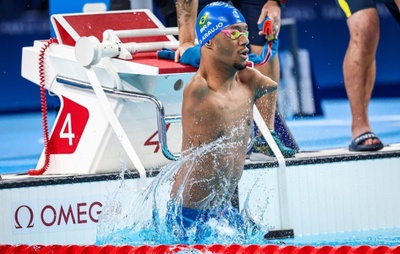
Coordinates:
(345, 7)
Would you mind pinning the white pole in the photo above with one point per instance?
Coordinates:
(142, 32)
(114, 122)
(283, 202)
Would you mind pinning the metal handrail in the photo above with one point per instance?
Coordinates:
(162, 119)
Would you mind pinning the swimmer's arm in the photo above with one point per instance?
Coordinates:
(265, 86)
(186, 14)
(260, 83)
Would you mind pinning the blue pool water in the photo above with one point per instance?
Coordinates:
(388, 237)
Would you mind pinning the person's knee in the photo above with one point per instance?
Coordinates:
(364, 27)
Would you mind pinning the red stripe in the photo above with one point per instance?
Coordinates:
(267, 57)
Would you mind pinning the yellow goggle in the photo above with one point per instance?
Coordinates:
(234, 33)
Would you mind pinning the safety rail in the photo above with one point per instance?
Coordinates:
(162, 119)
(89, 50)
(109, 33)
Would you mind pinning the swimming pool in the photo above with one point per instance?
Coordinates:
(387, 237)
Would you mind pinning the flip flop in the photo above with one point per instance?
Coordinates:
(356, 147)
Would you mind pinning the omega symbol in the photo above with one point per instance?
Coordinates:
(16, 216)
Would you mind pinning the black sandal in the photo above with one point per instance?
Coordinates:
(356, 147)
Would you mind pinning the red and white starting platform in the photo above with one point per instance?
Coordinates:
(120, 116)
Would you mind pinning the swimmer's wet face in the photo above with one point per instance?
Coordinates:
(231, 43)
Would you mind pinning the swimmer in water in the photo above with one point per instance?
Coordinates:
(217, 104)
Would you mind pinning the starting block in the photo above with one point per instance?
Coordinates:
(138, 100)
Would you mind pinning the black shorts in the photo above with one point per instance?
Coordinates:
(352, 6)
(250, 10)
(394, 10)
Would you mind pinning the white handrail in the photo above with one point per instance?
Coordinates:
(283, 202)
(114, 122)
(141, 32)
(134, 47)
(89, 50)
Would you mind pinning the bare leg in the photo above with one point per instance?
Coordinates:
(267, 103)
(359, 68)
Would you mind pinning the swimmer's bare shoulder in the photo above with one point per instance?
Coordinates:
(197, 88)
(256, 80)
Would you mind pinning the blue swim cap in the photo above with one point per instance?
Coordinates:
(215, 17)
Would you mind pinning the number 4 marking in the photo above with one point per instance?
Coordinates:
(69, 127)
(66, 129)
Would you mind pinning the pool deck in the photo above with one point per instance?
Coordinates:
(320, 157)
